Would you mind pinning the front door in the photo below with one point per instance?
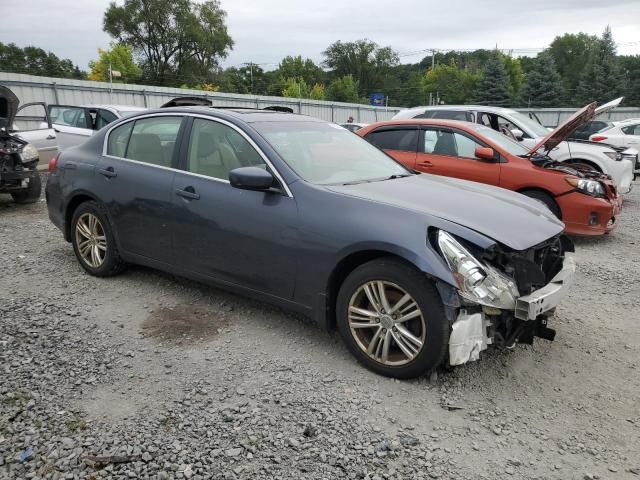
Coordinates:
(452, 153)
(134, 181)
(33, 125)
(240, 237)
(72, 124)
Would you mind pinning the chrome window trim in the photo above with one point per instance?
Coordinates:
(204, 117)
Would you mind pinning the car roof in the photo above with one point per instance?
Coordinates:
(247, 115)
(427, 121)
(128, 108)
(463, 108)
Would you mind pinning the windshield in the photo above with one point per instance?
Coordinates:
(529, 125)
(502, 141)
(327, 154)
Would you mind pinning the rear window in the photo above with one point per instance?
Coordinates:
(395, 139)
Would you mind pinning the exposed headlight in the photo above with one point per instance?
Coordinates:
(477, 282)
(29, 153)
(590, 187)
(614, 155)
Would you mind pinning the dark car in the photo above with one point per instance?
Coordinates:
(412, 269)
(18, 158)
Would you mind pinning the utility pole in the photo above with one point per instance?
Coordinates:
(433, 58)
(250, 65)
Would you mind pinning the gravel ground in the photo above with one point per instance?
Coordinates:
(151, 376)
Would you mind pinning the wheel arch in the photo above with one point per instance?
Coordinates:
(550, 194)
(72, 205)
(592, 163)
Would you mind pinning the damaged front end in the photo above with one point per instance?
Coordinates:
(504, 296)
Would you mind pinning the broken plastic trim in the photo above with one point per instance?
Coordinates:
(468, 338)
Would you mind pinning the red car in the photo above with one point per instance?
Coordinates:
(585, 200)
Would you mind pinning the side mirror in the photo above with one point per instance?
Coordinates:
(486, 153)
(251, 178)
(518, 134)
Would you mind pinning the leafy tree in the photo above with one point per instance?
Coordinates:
(493, 87)
(35, 61)
(570, 53)
(630, 65)
(296, 88)
(513, 68)
(317, 92)
(601, 78)
(451, 84)
(543, 84)
(344, 89)
(174, 39)
(296, 67)
(364, 60)
(120, 58)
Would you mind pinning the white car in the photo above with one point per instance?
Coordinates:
(604, 158)
(352, 126)
(75, 123)
(623, 134)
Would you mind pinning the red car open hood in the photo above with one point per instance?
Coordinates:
(564, 130)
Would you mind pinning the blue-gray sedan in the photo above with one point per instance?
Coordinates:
(413, 270)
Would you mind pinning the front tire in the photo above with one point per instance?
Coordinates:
(392, 320)
(31, 194)
(93, 241)
(545, 199)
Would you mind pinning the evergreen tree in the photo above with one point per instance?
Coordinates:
(543, 84)
(493, 88)
(601, 79)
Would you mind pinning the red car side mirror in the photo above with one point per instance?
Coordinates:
(485, 153)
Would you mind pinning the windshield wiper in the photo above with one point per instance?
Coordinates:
(394, 176)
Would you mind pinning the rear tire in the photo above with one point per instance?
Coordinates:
(545, 199)
(407, 322)
(93, 241)
(31, 194)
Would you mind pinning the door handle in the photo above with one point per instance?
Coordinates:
(108, 172)
(188, 193)
(425, 163)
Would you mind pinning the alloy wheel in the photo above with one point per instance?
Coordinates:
(91, 240)
(386, 323)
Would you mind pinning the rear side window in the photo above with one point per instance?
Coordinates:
(68, 116)
(118, 140)
(632, 130)
(448, 115)
(395, 139)
(104, 118)
(153, 140)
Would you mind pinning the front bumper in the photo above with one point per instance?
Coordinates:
(14, 180)
(472, 332)
(585, 215)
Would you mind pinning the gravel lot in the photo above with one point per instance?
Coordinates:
(147, 375)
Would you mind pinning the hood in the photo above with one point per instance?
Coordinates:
(565, 129)
(8, 107)
(504, 216)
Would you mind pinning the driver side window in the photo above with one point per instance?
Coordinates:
(215, 149)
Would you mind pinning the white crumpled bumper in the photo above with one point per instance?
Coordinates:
(469, 332)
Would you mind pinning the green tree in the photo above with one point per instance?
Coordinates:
(630, 65)
(493, 87)
(36, 61)
(513, 67)
(570, 53)
(364, 60)
(317, 92)
(344, 89)
(120, 58)
(543, 84)
(176, 40)
(297, 67)
(601, 78)
(296, 88)
(450, 83)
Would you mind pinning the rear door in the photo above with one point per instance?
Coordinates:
(72, 124)
(134, 179)
(32, 124)
(399, 141)
(451, 153)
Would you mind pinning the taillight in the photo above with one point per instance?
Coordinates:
(598, 138)
(53, 163)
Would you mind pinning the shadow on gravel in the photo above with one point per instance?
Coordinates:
(183, 324)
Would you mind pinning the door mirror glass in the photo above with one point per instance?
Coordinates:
(251, 178)
(485, 153)
(518, 134)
